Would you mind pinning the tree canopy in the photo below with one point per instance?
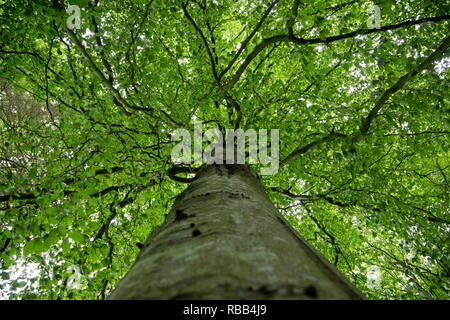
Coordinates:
(358, 89)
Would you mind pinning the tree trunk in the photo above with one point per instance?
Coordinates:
(224, 239)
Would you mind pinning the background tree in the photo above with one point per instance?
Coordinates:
(86, 116)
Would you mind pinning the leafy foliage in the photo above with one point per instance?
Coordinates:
(86, 117)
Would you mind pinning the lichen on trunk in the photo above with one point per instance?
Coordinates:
(224, 239)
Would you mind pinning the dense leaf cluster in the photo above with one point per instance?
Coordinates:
(86, 117)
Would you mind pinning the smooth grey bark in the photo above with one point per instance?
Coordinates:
(224, 239)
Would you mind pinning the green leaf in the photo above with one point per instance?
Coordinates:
(29, 247)
(76, 235)
(5, 275)
(65, 246)
(33, 172)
